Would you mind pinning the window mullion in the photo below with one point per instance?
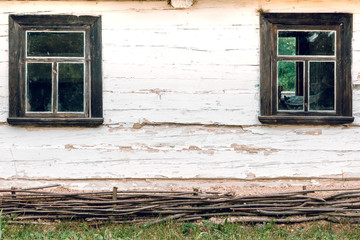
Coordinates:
(306, 86)
(55, 86)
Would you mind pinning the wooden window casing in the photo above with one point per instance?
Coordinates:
(90, 26)
(270, 24)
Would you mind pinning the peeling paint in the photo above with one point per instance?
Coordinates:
(308, 132)
(69, 147)
(113, 129)
(181, 99)
(151, 150)
(137, 126)
(252, 150)
(194, 148)
(126, 148)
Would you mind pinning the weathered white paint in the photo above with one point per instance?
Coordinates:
(181, 3)
(181, 99)
(180, 151)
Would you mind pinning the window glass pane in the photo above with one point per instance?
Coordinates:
(320, 43)
(321, 84)
(55, 44)
(39, 87)
(290, 85)
(71, 87)
(287, 46)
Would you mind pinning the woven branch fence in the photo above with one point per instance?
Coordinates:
(150, 207)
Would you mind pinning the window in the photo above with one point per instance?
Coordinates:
(55, 75)
(305, 62)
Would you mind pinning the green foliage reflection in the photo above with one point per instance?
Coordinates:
(287, 46)
(287, 75)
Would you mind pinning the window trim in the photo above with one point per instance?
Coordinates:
(270, 23)
(18, 26)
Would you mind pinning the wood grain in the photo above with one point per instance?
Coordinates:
(181, 99)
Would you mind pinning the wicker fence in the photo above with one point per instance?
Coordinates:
(149, 207)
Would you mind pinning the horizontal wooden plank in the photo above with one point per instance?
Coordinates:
(159, 85)
(179, 70)
(228, 117)
(181, 101)
(180, 151)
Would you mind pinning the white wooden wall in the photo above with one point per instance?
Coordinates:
(181, 99)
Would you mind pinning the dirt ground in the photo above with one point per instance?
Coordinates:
(235, 186)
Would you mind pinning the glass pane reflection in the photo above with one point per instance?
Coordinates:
(320, 43)
(71, 87)
(321, 84)
(290, 85)
(39, 87)
(55, 44)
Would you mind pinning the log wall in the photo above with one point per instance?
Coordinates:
(181, 99)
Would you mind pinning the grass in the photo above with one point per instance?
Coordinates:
(182, 230)
(3, 223)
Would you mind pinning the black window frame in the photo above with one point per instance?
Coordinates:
(270, 23)
(91, 26)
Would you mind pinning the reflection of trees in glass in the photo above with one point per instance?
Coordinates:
(287, 46)
(287, 70)
(301, 43)
(287, 75)
(306, 43)
(71, 87)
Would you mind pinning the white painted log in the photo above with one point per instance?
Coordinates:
(178, 151)
(179, 70)
(182, 3)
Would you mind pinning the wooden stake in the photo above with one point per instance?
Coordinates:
(114, 194)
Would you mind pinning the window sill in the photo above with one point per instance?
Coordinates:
(55, 122)
(314, 120)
